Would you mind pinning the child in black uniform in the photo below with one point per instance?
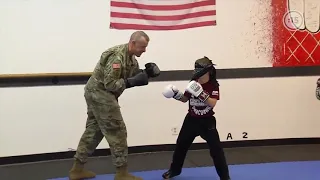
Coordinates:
(202, 94)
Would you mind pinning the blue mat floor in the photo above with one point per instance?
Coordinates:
(302, 170)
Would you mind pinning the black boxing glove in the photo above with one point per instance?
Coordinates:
(140, 79)
(152, 70)
(318, 89)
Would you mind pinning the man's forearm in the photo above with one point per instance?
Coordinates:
(137, 71)
(115, 85)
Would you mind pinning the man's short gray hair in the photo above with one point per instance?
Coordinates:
(138, 34)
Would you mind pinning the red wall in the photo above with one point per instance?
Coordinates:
(304, 44)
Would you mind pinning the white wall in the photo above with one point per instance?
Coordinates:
(70, 36)
(40, 36)
(268, 108)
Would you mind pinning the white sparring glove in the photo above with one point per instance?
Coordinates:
(171, 91)
(196, 89)
(318, 89)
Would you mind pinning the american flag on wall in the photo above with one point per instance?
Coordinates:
(162, 14)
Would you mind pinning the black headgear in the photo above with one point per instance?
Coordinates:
(202, 66)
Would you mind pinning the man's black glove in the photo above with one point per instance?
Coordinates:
(140, 79)
(318, 89)
(152, 70)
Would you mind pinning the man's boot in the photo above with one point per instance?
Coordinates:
(123, 174)
(79, 173)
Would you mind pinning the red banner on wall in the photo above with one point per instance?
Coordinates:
(296, 36)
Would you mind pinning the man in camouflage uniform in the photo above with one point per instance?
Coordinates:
(116, 71)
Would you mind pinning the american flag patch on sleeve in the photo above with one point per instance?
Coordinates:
(116, 66)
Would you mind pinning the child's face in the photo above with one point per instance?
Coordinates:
(204, 79)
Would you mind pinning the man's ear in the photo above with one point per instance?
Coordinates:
(132, 42)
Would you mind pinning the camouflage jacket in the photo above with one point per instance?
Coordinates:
(107, 79)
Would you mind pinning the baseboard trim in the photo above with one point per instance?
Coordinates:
(158, 148)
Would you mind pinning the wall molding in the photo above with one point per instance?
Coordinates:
(157, 148)
(80, 78)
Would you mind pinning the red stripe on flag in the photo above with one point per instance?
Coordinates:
(163, 18)
(154, 27)
(150, 16)
(162, 7)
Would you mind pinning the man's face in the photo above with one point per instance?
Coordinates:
(139, 46)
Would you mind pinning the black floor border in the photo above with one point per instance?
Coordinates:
(157, 148)
(175, 75)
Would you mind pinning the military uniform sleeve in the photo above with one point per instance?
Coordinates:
(112, 74)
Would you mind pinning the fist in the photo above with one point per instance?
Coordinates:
(196, 89)
(152, 70)
(170, 91)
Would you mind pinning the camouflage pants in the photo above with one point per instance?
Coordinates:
(104, 120)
